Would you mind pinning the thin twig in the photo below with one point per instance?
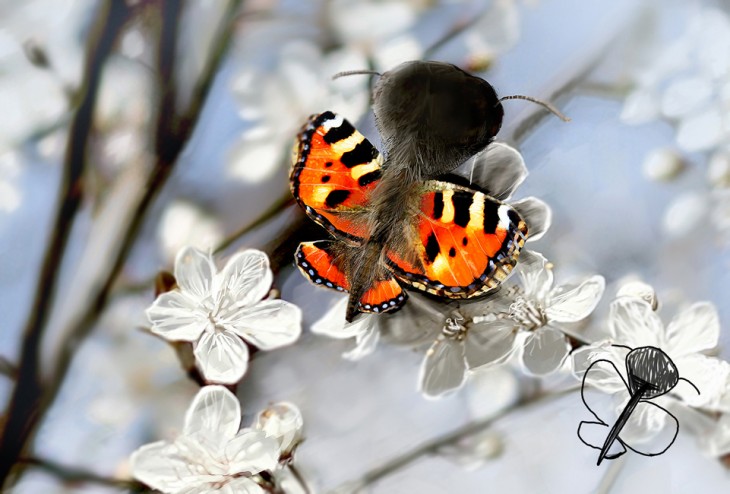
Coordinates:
(452, 33)
(612, 473)
(175, 137)
(275, 209)
(71, 475)
(8, 369)
(22, 414)
(300, 478)
(434, 445)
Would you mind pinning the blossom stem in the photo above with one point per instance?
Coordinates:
(70, 475)
(300, 478)
(434, 445)
(609, 478)
(22, 414)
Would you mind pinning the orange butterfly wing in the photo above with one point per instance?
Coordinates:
(323, 263)
(333, 172)
(462, 243)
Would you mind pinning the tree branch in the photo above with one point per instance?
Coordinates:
(434, 445)
(70, 475)
(22, 414)
(171, 136)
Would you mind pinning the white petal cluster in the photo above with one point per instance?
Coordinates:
(213, 453)
(220, 312)
(527, 319)
(687, 83)
(688, 340)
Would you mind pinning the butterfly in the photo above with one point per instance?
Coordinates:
(651, 373)
(399, 219)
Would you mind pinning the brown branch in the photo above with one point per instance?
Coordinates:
(434, 445)
(281, 204)
(22, 415)
(171, 136)
(71, 475)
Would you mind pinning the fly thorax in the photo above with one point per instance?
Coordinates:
(527, 313)
(455, 327)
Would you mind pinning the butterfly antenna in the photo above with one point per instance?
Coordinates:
(355, 72)
(544, 104)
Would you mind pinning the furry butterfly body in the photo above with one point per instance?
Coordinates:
(397, 220)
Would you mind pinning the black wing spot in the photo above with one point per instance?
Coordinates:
(369, 178)
(438, 205)
(464, 241)
(336, 134)
(336, 197)
(432, 248)
(462, 202)
(359, 155)
(328, 164)
(491, 218)
(325, 179)
(452, 252)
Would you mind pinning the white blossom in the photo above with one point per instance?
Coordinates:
(276, 102)
(213, 453)
(686, 82)
(688, 340)
(219, 312)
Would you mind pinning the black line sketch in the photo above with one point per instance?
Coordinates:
(651, 373)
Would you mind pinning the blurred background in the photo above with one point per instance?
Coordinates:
(187, 141)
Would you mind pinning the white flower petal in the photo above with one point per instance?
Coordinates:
(214, 412)
(545, 350)
(489, 342)
(602, 375)
(252, 452)
(221, 356)
(647, 428)
(365, 342)
(537, 214)
(240, 485)
(443, 369)
(640, 106)
(686, 213)
(685, 96)
(334, 325)
(194, 271)
(161, 466)
(257, 156)
(417, 323)
(176, 317)
(693, 330)
(633, 323)
(269, 324)
(282, 421)
(702, 130)
(639, 289)
(537, 279)
(710, 375)
(499, 170)
(576, 304)
(246, 278)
